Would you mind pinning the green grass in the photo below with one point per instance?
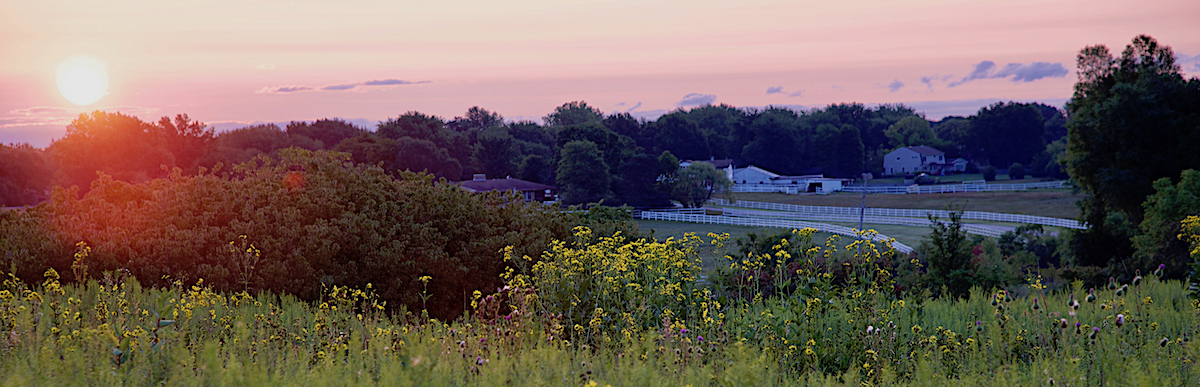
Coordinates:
(1000, 179)
(1053, 203)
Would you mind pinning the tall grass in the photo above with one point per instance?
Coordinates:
(841, 325)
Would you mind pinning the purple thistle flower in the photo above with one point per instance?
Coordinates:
(683, 331)
(700, 339)
(1120, 320)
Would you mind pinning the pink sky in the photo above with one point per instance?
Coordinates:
(222, 61)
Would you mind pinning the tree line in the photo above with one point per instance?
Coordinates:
(591, 156)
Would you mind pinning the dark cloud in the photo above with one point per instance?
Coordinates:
(639, 104)
(340, 87)
(1019, 72)
(696, 99)
(895, 85)
(779, 90)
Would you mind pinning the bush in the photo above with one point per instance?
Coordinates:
(972, 168)
(1016, 171)
(311, 219)
(989, 173)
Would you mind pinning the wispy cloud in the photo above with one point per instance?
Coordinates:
(1188, 63)
(928, 80)
(696, 99)
(1019, 72)
(283, 89)
(779, 90)
(336, 87)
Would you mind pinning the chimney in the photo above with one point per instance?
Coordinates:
(479, 177)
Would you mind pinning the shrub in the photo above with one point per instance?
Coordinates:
(989, 173)
(317, 220)
(1016, 171)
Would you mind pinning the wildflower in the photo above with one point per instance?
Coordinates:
(1078, 331)
(1071, 302)
(1035, 304)
(1092, 335)
(1062, 323)
(1120, 320)
(1124, 289)
(1112, 283)
(995, 300)
(978, 326)
(1163, 342)
(1148, 300)
(916, 329)
(700, 339)
(1185, 338)
(870, 328)
(1091, 297)
(1158, 272)
(1137, 279)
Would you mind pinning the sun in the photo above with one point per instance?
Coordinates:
(82, 80)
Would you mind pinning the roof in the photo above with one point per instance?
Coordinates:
(508, 184)
(719, 164)
(759, 170)
(925, 151)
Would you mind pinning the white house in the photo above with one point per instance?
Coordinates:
(911, 159)
(723, 165)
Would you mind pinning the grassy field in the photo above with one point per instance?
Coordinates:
(910, 236)
(1000, 179)
(1053, 203)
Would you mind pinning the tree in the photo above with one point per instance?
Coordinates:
(698, 182)
(948, 255)
(773, 142)
(188, 141)
(911, 131)
(24, 175)
(673, 132)
(423, 155)
(573, 113)
(330, 132)
(496, 152)
(119, 145)
(1134, 120)
(370, 149)
(1158, 241)
(954, 132)
(839, 151)
(536, 168)
(1016, 171)
(477, 119)
(639, 183)
(583, 176)
(1005, 133)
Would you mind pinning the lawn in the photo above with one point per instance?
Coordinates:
(1058, 203)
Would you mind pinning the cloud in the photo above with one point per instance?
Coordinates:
(696, 99)
(389, 82)
(340, 87)
(265, 67)
(40, 110)
(895, 85)
(1019, 72)
(936, 110)
(1188, 63)
(336, 87)
(779, 90)
(639, 104)
(283, 89)
(928, 80)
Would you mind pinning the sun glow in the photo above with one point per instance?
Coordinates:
(82, 80)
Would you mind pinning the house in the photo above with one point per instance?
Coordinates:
(532, 192)
(912, 159)
(725, 165)
(958, 165)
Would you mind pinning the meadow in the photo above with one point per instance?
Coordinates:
(1058, 203)
(598, 310)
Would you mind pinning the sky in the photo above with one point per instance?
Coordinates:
(235, 63)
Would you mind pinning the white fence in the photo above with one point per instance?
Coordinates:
(770, 188)
(952, 188)
(905, 213)
(763, 222)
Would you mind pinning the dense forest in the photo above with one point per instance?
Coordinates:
(624, 154)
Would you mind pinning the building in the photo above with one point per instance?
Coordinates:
(753, 175)
(532, 192)
(755, 179)
(724, 165)
(913, 159)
